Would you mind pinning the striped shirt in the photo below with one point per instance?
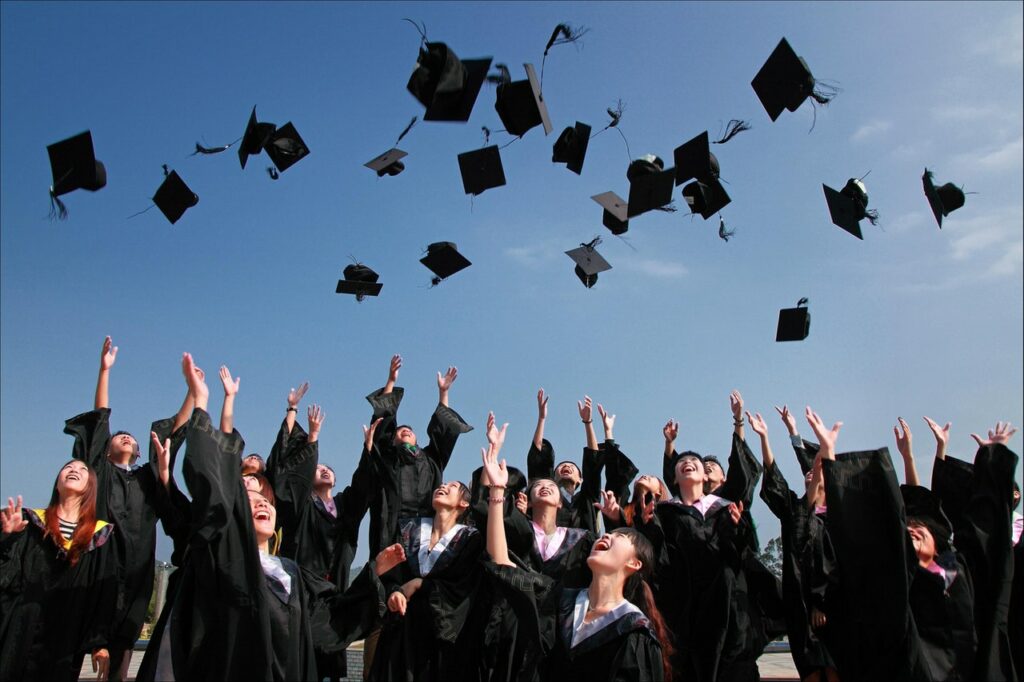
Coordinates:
(67, 529)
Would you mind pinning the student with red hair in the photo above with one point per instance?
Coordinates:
(58, 586)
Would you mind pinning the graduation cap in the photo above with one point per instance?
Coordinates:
(174, 197)
(481, 170)
(616, 213)
(444, 260)
(285, 147)
(943, 200)
(571, 147)
(794, 323)
(849, 206)
(74, 166)
(360, 281)
(785, 81)
(444, 84)
(389, 163)
(650, 186)
(924, 506)
(521, 106)
(588, 262)
(706, 198)
(694, 160)
(254, 138)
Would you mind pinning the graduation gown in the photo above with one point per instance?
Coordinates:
(401, 482)
(51, 613)
(876, 638)
(133, 500)
(701, 590)
(624, 650)
(809, 573)
(226, 620)
(977, 500)
(431, 641)
(577, 511)
(567, 566)
(619, 471)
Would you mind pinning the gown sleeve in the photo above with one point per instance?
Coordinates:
(385, 406)
(291, 470)
(540, 463)
(339, 618)
(590, 490)
(744, 471)
(211, 474)
(91, 431)
(619, 472)
(776, 493)
(444, 429)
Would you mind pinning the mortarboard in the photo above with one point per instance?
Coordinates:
(794, 323)
(285, 147)
(694, 160)
(706, 198)
(849, 206)
(785, 81)
(360, 281)
(388, 163)
(481, 170)
(521, 106)
(943, 200)
(571, 147)
(444, 260)
(444, 84)
(588, 262)
(254, 138)
(174, 197)
(74, 166)
(650, 186)
(616, 212)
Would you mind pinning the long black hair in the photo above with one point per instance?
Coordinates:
(638, 591)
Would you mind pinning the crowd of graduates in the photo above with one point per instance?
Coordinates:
(565, 572)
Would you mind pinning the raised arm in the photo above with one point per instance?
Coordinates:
(671, 432)
(805, 455)
(497, 475)
(586, 409)
(446, 425)
(941, 434)
(294, 398)
(736, 405)
(227, 411)
(396, 364)
(444, 383)
(904, 443)
(107, 357)
(826, 437)
(761, 429)
(542, 415)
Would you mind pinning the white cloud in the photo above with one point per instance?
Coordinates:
(655, 268)
(1004, 45)
(907, 221)
(870, 129)
(532, 256)
(969, 113)
(993, 237)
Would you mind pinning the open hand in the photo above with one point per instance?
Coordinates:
(230, 387)
(396, 364)
(1001, 435)
(787, 418)
(389, 557)
(542, 405)
(757, 424)
(13, 521)
(163, 457)
(671, 431)
(295, 395)
(108, 355)
(368, 433)
(497, 473)
(315, 415)
(586, 408)
(736, 405)
(445, 381)
(904, 440)
(609, 506)
(608, 420)
(826, 437)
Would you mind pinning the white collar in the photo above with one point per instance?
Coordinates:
(427, 556)
(582, 630)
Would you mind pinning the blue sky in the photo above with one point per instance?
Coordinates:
(913, 320)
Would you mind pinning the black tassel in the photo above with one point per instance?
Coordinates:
(872, 216)
(421, 31)
(487, 134)
(200, 149)
(592, 243)
(823, 93)
(166, 170)
(272, 172)
(58, 210)
(803, 301)
(670, 207)
(734, 128)
(407, 129)
(504, 75)
(563, 34)
(724, 233)
(434, 281)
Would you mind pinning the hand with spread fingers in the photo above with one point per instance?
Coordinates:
(1000, 435)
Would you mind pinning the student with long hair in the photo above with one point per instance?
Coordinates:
(609, 630)
(58, 588)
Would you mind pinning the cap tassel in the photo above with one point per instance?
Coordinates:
(407, 129)
(802, 302)
(504, 75)
(872, 215)
(272, 172)
(589, 246)
(200, 149)
(670, 207)
(724, 233)
(732, 129)
(58, 210)
(422, 31)
(563, 34)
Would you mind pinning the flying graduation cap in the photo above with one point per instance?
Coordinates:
(849, 206)
(785, 81)
(694, 160)
(285, 147)
(74, 166)
(174, 197)
(520, 105)
(616, 212)
(444, 260)
(588, 262)
(360, 281)
(571, 147)
(481, 170)
(794, 323)
(390, 162)
(650, 185)
(254, 138)
(446, 85)
(943, 200)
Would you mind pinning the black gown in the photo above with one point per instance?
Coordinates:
(876, 638)
(133, 501)
(809, 573)
(432, 640)
(625, 650)
(51, 613)
(579, 512)
(227, 620)
(567, 566)
(977, 500)
(402, 480)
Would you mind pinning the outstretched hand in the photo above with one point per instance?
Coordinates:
(758, 424)
(826, 437)
(671, 431)
(542, 405)
(445, 381)
(787, 418)
(230, 386)
(608, 420)
(396, 364)
(1001, 435)
(315, 416)
(586, 408)
(495, 436)
(941, 433)
(522, 502)
(11, 518)
(295, 395)
(497, 473)
(904, 440)
(609, 505)
(108, 355)
(368, 432)
(389, 557)
(736, 405)
(196, 381)
(163, 457)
